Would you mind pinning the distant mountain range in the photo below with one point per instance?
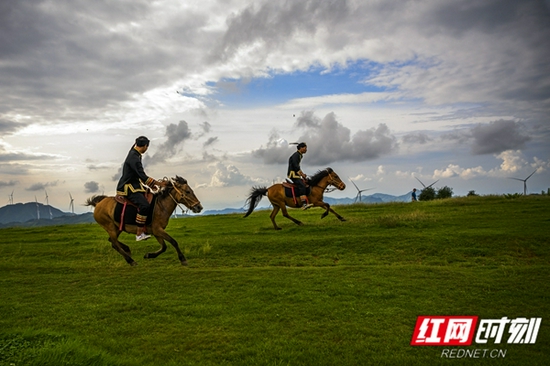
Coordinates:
(373, 198)
(34, 214)
(37, 214)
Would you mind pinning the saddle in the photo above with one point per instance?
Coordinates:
(126, 210)
(291, 188)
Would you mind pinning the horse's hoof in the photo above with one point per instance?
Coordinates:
(342, 219)
(133, 264)
(184, 263)
(278, 228)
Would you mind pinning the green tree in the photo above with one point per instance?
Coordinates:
(427, 194)
(445, 192)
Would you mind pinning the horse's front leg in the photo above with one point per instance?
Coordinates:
(161, 236)
(328, 209)
(158, 252)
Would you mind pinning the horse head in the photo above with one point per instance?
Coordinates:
(335, 180)
(184, 194)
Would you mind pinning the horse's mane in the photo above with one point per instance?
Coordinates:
(313, 181)
(165, 191)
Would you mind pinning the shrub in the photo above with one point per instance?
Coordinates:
(445, 192)
(427, 194)
(472, 194)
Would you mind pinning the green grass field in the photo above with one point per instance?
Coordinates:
(326, 293)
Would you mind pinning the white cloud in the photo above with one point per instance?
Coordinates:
(228, 176)
(512, 161)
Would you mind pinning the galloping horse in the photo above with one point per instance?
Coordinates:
(277, 197)
(176, 191)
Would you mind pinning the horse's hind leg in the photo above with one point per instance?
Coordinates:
(123, 249)
(285, 214)
(272, 216)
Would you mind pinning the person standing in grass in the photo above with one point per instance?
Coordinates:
(413, 195)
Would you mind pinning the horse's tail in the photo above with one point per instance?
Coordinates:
(94, 200)
(254, 198)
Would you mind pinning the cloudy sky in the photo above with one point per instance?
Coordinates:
(383, 91)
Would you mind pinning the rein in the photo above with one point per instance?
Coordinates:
(176, 202)
(172, 197)
(329, 182)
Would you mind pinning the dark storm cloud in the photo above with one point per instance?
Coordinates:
(91, 187)
(73, 57)
(175, 136)
(210, 141)
(10, 183)
(6, 156)
(274, 152)
(8, 127)
(491, 138)
(329, 141)
(41, 186)
(206, 127)
(497, 137)
(275, 22)
(416, 138)
(528, 21)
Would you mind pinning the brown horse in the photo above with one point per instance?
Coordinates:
(176, 191)
(277, 197)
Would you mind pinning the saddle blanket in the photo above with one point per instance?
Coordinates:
(130, 213)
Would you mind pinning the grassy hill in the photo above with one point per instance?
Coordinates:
(326, 293)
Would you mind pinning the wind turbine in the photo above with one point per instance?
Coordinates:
(71, 205)
(48, 204)
(11, 198)
(37, 208)
(524, 182)
(423, 185)
(359, 191)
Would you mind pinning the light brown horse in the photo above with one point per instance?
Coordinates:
(176, 191)
(276, 195)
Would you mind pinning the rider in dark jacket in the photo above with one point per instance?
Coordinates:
(132, 184)
(295, 173)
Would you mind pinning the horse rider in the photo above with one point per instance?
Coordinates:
(295, 173)
(132, 184)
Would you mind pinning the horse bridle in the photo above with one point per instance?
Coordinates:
(183, 197)
(333, 181)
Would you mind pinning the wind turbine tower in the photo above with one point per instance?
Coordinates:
(37, 208)
(48, 204)
(11, 198)
(524, 182)
(359, 191)
(71, 205)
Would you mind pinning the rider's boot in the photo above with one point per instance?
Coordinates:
(140, 234)
(305, 203)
